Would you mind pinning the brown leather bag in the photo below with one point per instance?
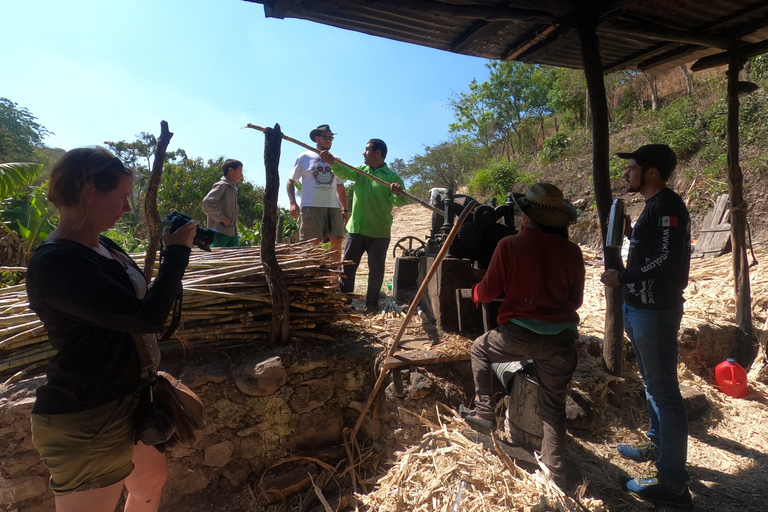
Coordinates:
(181, 405)
(169, 413)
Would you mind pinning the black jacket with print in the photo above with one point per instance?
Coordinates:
(659, 254)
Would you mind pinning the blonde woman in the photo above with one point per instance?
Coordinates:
(91, 297)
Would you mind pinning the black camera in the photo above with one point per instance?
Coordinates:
(203, 236)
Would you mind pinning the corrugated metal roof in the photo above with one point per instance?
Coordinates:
(643, 35)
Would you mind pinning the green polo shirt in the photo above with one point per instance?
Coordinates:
(372, 203)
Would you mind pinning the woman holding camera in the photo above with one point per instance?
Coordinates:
(91, 298)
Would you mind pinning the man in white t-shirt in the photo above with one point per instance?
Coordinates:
(323, 196)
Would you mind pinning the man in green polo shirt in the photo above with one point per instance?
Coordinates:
(370, 223)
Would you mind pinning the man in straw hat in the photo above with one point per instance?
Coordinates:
(323, 196)
(653, 282)
(542, 275)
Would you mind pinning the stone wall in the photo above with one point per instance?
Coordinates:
(260, 408)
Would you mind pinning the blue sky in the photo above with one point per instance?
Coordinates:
(95, 70)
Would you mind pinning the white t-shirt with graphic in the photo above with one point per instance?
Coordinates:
(318, 183)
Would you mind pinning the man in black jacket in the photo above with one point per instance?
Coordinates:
(653, 283)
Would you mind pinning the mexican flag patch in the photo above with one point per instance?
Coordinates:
(667, 221)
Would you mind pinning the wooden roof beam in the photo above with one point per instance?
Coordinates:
(663, 58)
(531, 40)
(744, 52)
(719, 59)
(474, 32)
(479, 12)
(661, 33)
(562, 27)
(273, 8)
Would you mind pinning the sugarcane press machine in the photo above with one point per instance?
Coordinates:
(465, 264)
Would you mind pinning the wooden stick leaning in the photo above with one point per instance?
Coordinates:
(355, 169)
(411, 310)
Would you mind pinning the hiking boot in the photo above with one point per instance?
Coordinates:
(640, 452)
(476, 422)
(651, 488)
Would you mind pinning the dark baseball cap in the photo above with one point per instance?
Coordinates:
(659, 156)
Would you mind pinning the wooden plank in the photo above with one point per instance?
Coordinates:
(422, 358)
(719, 211)
(716, 231)
(710, 221)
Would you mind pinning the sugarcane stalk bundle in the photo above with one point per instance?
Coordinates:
(391, 309)
(226, 303)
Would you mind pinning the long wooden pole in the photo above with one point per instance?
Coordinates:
(354, 169)
(746, 340)
(411, 310)
(613, 345)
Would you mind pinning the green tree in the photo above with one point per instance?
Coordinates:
(25, 215)
(759, 67)
(495, 179)
(445, 165)
(500, 109)
(16, 175)
(20, 134)
(137, 156)
(187, 181)
(568, 95)
(474, 115)
(27, 220)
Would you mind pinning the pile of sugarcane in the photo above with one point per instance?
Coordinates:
(23, 339)
(226, 303)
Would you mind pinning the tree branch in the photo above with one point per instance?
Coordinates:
(150, 201)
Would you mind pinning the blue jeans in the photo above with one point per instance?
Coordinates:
(653, 334)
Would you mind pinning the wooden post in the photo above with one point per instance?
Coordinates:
(278, 287)
(613, 338)
(150, 201)
(280, 228)
(747, 342)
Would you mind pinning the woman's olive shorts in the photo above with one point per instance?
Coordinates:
(89, 449)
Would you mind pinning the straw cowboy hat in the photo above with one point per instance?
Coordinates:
(544, 203)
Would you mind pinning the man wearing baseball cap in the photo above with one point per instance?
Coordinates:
(323, 196)
(653, 283)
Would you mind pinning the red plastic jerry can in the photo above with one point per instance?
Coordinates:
(731, 378)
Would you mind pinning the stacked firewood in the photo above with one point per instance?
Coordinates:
(226, 303)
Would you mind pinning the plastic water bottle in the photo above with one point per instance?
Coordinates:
(731, 378)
